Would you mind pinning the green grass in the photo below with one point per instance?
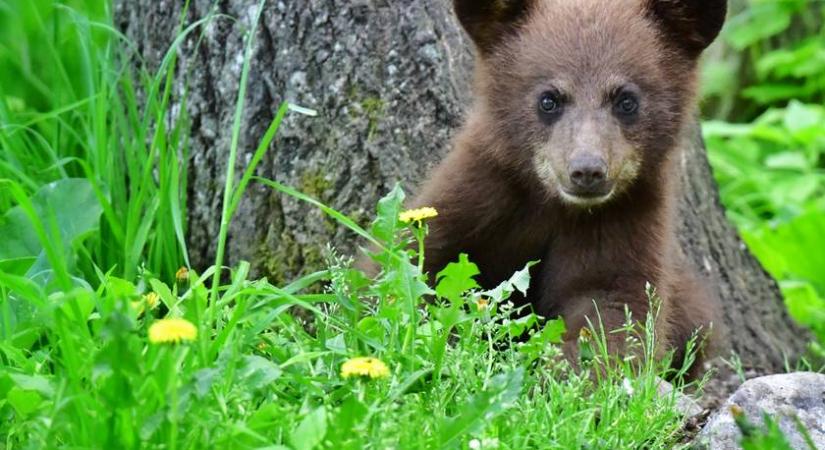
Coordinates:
(265, 367)
(93, 219)
(81, 120)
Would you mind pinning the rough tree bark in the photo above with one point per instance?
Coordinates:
(390, 80)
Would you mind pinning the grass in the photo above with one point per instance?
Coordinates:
(92, 210)
(94, 379)
(86, 124)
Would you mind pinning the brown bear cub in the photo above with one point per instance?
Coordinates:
(569, 156)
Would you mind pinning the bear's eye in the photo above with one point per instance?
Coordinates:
(549, 103)
(626, 105)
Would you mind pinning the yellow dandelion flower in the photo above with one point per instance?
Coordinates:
(365, 367)
(585, 334)
(417, 215)
(172, 331)
(151, 300)
(482, 304)
(182, 274)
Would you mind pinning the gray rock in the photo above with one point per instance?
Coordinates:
(684, 403)
(785, 397)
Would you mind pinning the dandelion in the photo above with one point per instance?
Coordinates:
(417, 215)
(172, 331)
(482, 304)
(182, 274)
(365, 367)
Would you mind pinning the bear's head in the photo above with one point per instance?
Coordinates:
(587, 97)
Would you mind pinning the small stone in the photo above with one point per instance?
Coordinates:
(684, 404)
(800, 395)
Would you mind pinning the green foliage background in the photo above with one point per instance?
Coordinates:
(764, 90)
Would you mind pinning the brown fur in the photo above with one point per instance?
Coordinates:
(502, 193)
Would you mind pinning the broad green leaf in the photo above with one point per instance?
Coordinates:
(799, 116)
(520, 281)
(337, 344)
(71, 204)
(344, 420)
(27, 306)
(385, 226)
(78, 305)
(23, 401)
(35, 383)
(258, 372)
(310, 433)
(203, 380)
(805, 305)
(372, 328)
(518, 326)
(756, 23)
(19, 239)
(266, 417)
(457, 278)
(120, 288)
(500, 395)
(786, 250)
(403, 280)
(788, 161)
(787, 192)
(769, 93)
(551, 333)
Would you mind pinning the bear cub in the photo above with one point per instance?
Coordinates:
(569, 156)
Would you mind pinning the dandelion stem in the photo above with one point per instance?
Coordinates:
(419, 236)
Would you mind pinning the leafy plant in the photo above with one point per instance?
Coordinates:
(768, 154)
(82, 120)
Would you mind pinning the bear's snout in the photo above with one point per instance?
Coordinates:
(588, 175)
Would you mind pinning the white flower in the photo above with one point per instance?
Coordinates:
(628, 388)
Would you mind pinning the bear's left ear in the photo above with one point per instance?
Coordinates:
(690, 25)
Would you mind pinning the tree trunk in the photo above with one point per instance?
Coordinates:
(390, 80)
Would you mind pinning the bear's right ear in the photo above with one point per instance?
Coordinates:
(488, 22)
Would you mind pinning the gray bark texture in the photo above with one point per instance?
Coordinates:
(391, 81)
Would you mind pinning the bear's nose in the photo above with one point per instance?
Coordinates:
(588, 173)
